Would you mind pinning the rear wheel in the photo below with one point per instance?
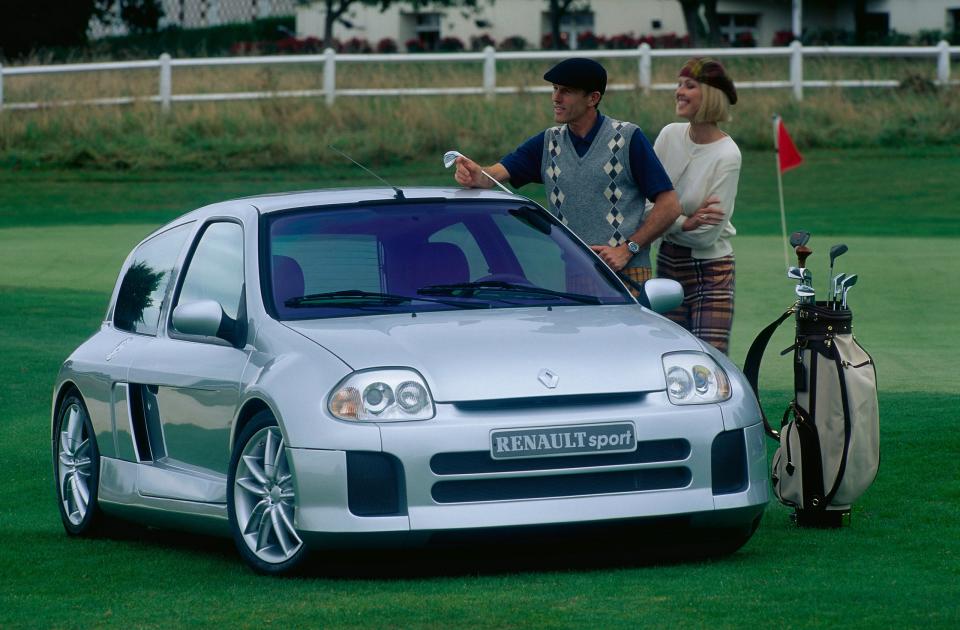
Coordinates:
(76, 468)
(261, 499)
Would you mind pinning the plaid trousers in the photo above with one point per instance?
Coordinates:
(708, 287)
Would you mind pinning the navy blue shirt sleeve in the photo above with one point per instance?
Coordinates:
(524, 163)
(646, 167)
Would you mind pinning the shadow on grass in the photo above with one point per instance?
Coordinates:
(515, 550)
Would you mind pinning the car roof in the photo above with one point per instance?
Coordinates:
(275, 202)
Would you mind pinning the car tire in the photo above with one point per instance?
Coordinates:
(261, 499)
(76, 469)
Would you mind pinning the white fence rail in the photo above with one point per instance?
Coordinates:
(330, 60)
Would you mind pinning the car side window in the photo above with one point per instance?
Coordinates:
(215, 270)
(146, 280)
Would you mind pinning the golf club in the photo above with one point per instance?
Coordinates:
(450, 157)
(798, 238)
(805, 293)
(835, 252)
(837, 279)
(795, 273)
(848, 282)
(802, 253)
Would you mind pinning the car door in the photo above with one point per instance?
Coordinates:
(143, 293)
(186, 386)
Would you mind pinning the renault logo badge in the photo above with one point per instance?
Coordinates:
(548, 378)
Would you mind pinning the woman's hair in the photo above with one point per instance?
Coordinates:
(714, 105)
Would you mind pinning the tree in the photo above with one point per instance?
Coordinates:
(26, 26)
(705, 31)
(334, 10)
(141, 16)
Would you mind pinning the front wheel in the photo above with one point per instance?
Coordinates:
(76, 468)
(261, 499)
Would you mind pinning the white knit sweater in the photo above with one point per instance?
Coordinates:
(697, 172)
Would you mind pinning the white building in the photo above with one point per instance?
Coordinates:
(502, 19)
(761, 19)
(202, 13)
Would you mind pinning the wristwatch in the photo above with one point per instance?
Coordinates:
(633, 247)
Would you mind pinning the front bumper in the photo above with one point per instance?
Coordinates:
(446, 483)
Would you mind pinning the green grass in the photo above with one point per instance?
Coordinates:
(63, 236)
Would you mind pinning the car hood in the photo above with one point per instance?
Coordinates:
(484, 355)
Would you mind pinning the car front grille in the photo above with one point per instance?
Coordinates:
(591, 479)
(463, 491)
(479, 462)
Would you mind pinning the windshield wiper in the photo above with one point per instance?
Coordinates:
(352, 298)
(470, 289)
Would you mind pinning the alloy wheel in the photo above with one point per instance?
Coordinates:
(264, 498)
(75, 464)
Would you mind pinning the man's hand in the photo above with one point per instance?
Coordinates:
(708, 214)
(615, 257)
(469, 174)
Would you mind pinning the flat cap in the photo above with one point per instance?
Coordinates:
(578, 72)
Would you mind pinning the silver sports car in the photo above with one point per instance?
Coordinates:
(348, 366)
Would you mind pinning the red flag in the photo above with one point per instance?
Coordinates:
(787, 154)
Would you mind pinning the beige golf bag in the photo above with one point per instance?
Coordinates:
(830, 432)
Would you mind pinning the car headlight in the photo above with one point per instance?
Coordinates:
(694, 378)
(392, 395)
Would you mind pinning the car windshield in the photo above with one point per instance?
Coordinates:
(428, 256)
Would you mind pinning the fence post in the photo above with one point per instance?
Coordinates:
(489, 72)
(796, 69)
(943, 63)
(645, 77)
(330, 75)
(166, 83)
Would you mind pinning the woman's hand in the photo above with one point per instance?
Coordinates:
(708, 214)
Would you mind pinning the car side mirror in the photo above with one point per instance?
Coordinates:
(207, 319)
(661, 295)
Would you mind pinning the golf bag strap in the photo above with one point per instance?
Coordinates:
(751, 368)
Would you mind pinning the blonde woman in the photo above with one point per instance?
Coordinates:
(703, 163)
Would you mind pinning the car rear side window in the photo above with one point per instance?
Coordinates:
(215, 270)
(145, 282)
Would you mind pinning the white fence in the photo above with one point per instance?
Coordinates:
(330, 61)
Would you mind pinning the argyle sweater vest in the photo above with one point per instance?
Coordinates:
(595, 195)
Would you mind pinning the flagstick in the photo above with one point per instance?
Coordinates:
(783, 213)
(783, 216)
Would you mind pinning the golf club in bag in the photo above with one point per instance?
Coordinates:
(829, 435)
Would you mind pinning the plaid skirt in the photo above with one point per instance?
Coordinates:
(708, 286)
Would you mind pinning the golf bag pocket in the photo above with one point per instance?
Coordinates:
(786, 471)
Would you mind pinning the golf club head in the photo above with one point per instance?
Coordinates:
(799, 238)
(450, 157)
(807, 277)
(805, 293)
(835, 286)
(836, 251)
(795, 273)
(847, 282)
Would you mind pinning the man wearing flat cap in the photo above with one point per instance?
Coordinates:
(598, 172)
